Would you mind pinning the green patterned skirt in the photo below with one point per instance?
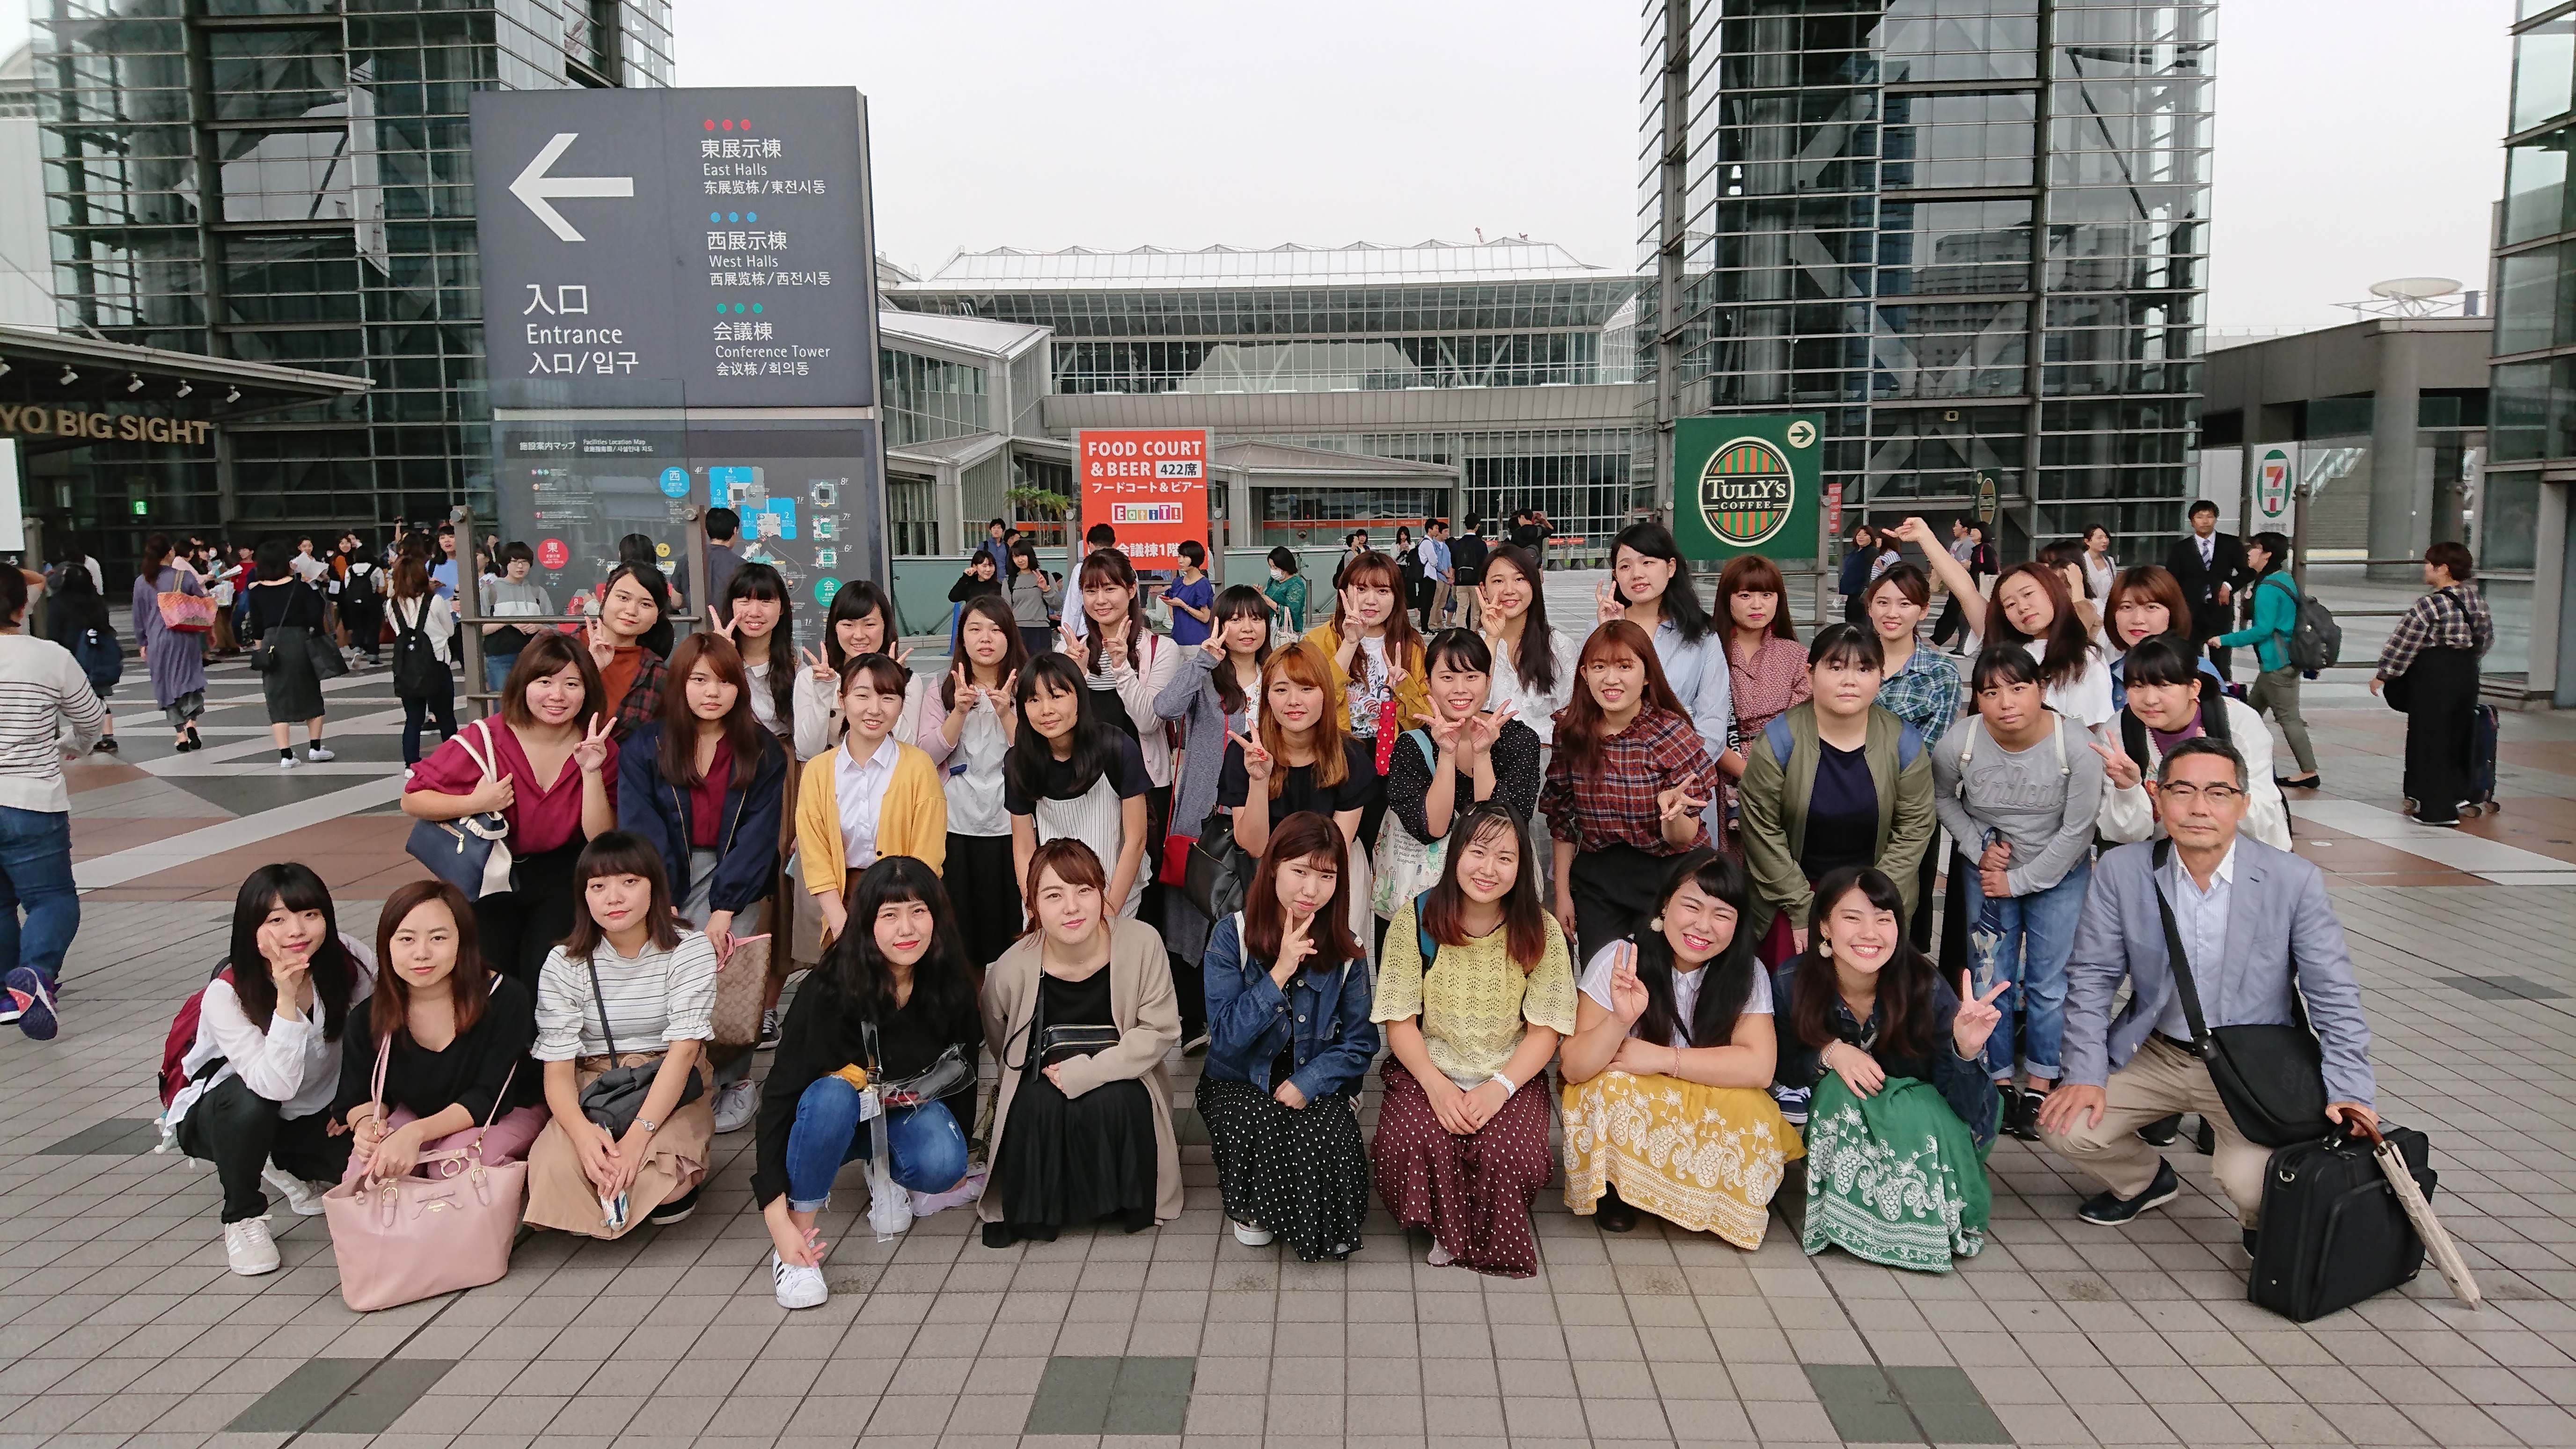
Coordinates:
(1895, 1178)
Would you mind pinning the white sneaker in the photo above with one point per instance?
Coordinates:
(249, 1248)
(736, 1104)
(286, 762)
(797, 1287)
(317, 754)
(1252, 1237)
(967, 1190)
(304, 1197)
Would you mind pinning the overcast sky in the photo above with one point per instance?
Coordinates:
(2357, 139)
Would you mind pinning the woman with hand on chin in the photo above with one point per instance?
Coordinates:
(459, 1035)
(629, 609)
(1652, 590)
(1215, 693)
(1835, 781)
(1628, 785)
(1668, 1073)
(1072, 776)
(892, 1006)
(1378, 689)
(1475, 993)
(1290, 1042)
(1080, 1015)
(632, 986)
(553, 780)
(873, 796)
(966, 727)
(1883, 1064)
(1300, 759)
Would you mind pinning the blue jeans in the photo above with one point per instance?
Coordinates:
(36, 876)
(2036, 932)
(496, 670)
(928, 1149)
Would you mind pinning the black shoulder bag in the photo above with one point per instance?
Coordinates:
(2271, 1077)
(615, 1097)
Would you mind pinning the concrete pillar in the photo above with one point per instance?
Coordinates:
(2400, 510)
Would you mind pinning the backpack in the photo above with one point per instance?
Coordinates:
(183, 1035)
(2314, 640)
(359, 587)
(100, 659)
(1909, 742)
(418, 670)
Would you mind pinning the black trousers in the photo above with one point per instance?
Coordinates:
(1372, 815)
(1614, 893)
(240, 1132)
(519, 927)
(1949, 623)
(1921, 929)
(1954, 915)
(981, 892)
(2441, 689)
(419, 710)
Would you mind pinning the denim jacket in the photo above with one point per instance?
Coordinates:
(1323, 1015)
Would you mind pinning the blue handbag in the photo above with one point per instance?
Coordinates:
(471, 852)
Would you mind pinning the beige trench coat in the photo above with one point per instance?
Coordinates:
(1145, 1011)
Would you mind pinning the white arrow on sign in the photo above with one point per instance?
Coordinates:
(535, 189)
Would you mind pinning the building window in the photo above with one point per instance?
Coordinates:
(912, 512)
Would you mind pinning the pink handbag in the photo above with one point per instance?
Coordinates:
(416, 1237)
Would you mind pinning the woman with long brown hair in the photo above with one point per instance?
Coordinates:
(706, 783)
(632, 987)
(2031, 607)
(423, 624)
(1475, 993)
(1215, 693)
(1378, 687)
(1627, 785)
(1300, 759)
(452, 1038)
(1290, 1041)
(2143, 603)
(1880, 1061)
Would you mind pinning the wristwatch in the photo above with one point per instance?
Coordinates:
(648, 1124)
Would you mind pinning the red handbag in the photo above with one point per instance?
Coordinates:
(1175, 869)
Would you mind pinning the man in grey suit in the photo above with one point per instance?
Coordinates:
(2250, 917)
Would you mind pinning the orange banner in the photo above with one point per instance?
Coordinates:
(1149, 485)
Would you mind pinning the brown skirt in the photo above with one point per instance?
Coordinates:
(561, 1196)
(1473, 1193)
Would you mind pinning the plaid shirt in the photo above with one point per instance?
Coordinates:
(1657, 751)
(2451, 618)
(643, 701)
(1924, 694)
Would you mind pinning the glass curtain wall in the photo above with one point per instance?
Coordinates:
(287, 181)
(1969, 233)
(2535, 268)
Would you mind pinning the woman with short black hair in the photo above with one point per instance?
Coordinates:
(1073, 775)
(284, 624)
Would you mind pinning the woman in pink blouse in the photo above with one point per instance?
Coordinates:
(1766, 664)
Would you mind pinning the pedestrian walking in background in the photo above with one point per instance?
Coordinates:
(2275, 598)
(76, 618)
(511, 596)
(723, 525)
(1031, 605)
(176, 658)
(2429, 669)
(1286, 591)
(41, 692)
(285, 616)
(1466, 572)
(2099, 566)
(1854, 574)
(423, 625)
(356, 587)
(2210, 566)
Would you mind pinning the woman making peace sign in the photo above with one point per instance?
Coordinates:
(967, 721)
(1894, 1060)
(630, 607)
(1376, 659)
(552, 776)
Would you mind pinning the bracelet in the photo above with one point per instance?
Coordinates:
(1508, 1087)
(648, 1124)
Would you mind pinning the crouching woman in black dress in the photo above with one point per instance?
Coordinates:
(1080, 1013)
(1289, 1041)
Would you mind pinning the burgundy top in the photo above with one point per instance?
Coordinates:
(541, 819)
(706, 802)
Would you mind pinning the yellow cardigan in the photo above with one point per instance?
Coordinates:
(913, 820)
(1412, 693)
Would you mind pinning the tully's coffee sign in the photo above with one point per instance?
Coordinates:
(37, 421)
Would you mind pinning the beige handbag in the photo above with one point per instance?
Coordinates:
(742, 984)
(412, 1237)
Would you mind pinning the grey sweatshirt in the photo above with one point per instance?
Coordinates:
(2044, 808)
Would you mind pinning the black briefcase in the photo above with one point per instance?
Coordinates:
(2333, 1231)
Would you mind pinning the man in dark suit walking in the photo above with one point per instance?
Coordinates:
(2209, 565)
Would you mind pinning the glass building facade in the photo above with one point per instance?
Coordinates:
(1415, 321)
(2535, 260)
(1971, 234)
(288, 181)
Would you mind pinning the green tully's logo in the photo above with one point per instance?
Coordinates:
(1745, 492)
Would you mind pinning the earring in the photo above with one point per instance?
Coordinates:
(1824, 948)
(1656, 925)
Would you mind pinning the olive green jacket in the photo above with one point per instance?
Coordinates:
(1774, 812)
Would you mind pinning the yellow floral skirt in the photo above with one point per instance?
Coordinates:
(1706, 1159)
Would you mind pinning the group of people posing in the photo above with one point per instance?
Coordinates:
(1676, 857)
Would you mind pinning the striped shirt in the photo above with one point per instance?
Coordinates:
(653, 999)
(41, 690)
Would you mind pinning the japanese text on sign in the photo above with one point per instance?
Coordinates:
(1150, 486)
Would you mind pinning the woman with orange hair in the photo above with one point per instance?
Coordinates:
(1300, 759)
(1626, 786)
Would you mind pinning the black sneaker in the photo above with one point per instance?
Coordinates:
(106, 745)
(2110, 1210)
(2162, 1131)
(2031, 1102)
(769, 1034)
(1613, 1213)
(2019, 1117)
(676, 1210)
(2205, 1141)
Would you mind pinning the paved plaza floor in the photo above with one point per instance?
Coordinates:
(119, 1323)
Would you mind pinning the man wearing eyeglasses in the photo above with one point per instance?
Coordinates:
(2255, 923)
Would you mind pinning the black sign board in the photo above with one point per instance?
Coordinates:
(676, 248)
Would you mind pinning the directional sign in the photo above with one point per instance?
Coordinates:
(537, 189)
(676, 248)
